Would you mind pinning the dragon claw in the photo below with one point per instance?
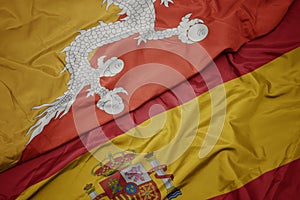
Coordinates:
(166, 2)
(111, 102)
(141, 39)
(192, 30)
(145, 36)
(90, 92)
(120, 90)
(108, 3)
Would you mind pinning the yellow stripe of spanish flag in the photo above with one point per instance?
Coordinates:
(260, 132)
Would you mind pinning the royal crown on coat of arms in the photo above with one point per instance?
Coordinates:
(124, 180)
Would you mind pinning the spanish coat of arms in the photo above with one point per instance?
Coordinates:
(127, 181)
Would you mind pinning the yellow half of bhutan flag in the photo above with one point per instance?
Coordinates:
(32, 35)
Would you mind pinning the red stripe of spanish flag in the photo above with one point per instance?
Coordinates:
(278, 184)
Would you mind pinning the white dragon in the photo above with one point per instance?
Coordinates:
(140, 19)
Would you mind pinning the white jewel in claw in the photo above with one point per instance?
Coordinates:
(112, 103)
(198, 32)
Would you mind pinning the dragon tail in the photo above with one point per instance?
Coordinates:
(58, 108)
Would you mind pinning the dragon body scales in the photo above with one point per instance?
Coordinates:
(140, 19)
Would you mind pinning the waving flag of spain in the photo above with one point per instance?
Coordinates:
(150, 99)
